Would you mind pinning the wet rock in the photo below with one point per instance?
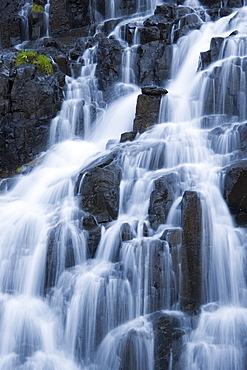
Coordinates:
(223, 95)
(36, 22)
(148, 34)
(235, 3)
(145, 230)
(174, 237)
(154, 90)
(161, 198)
(53, 259)
(191, 252)
(158, 294)
(99, 191)
(242, 129)
(153, 63)
(125, 232)
(59, 19)
(109, 59)
(90, 224)
(127, 136)
(167, 340)
(147, 108)
(185, 24)
(213, 54)
(235, 190)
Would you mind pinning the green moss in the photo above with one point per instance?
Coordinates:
(37, 8)
(41, 62)
(18, 170)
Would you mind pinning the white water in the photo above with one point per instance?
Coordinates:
(97, 315)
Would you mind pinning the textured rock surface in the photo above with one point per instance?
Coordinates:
(147, 108)
(28, 102)
(191, 251)
(167, 340)
(99, 191)
(162, 197)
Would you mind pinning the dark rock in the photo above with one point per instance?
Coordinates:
(148, 34)
(191, 252)
(109, 59)
(235, 3)
(147, 108)
(153, 90)
(54, 264)
(235, 190)
(127, 136)
(242, 129)
(174, 237)
(162, 197)
(125, 232)
(185, 24)
(167, 340)
(145, 230)
(159, 296)
(90, 224)
(10, 32)
(59, 19)
(99, 191)
(28, 101)
(147, 112)
(153, 63)
(223, 95)
(224, 12)
(36, 22)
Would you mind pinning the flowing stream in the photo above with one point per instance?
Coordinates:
(98, 314)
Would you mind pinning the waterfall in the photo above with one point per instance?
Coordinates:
(65, 309)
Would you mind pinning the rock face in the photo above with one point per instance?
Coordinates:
(161, 199)
(28, 102)
(147, 108)
(191, 252)
(235, 191)
(99, 191)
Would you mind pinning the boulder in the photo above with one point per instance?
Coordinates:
(235, 191)
(191, 252)
(147, 108)
(165, 191)
(99, 190)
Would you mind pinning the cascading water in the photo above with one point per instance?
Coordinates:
(99, 313)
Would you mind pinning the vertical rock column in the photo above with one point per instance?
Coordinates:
(191, 252)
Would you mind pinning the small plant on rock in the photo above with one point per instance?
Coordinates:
(41, 62)
(37, 8)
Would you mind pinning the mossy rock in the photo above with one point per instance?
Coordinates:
(41, 62)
